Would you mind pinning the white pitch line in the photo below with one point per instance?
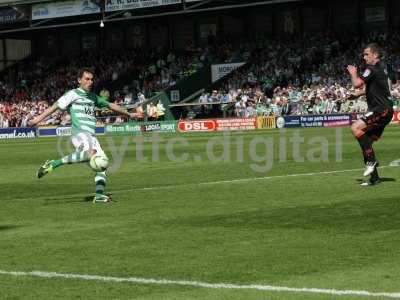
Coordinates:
(198, 284)
(240, 180)
(173, 186)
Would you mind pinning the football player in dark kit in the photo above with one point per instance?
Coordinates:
(374, 84)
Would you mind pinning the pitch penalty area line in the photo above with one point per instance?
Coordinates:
(199, 284)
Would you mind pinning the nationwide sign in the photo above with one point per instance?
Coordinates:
(221, 70)
(64, 9)
(62, 131)
(113, 5)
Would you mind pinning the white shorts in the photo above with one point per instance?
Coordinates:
(85, 142)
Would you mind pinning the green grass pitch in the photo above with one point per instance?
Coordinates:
(195, 221)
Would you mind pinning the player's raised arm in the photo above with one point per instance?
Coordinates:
(357, 94)
(356, 81)
(36, 120)
(102, 102)
(123, 111)
(62, 103)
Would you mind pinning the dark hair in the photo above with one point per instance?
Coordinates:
(83, 70)
(374, 47)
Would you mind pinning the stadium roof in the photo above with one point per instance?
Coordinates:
(21, 2)
(218, 2)
(186, 7)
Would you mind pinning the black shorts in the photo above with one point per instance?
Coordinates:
(376, 122)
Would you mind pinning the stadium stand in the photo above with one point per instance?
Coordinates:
(39, 85)
(297, 75)
(284, 74)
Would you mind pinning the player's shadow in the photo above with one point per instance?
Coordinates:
(86, 199)
(7, 227)
(383, 179)
(89, 198)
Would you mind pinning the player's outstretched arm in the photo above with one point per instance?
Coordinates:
(357, 94)
(36, 120)
(123, 111)
(356, 81)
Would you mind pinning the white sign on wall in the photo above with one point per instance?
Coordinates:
(219, 71)
(64, 9)
(113, 5)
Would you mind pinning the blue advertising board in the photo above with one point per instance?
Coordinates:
(288, 122)
(62, 131)
(17, 133)
(332, 120)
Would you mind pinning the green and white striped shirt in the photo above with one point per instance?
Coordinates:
(81, 106)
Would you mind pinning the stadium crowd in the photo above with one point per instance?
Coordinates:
(304, 75)
(293, 75)
(43, 81)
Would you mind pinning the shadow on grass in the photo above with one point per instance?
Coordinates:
(69, 199)
(359, 216)
(8, 227)
(90, 198)
(383, 179)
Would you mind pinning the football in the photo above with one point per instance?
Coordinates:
(98, 163)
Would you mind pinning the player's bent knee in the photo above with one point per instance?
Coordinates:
(355, 130)
(358, 129)
(90, 153)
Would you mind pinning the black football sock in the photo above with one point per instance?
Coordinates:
(366, 147)
(375, 175)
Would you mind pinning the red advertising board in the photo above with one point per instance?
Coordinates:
(236, 124)
(217, 125)
(196, 126)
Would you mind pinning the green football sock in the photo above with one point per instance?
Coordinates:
(100, 180)
(76, 157)
(56, 163)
